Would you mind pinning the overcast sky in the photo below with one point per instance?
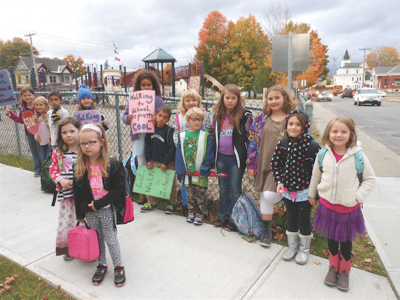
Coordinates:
(87, 28)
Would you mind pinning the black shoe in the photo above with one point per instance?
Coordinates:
(266, 237)
(220, 223)
(119, 276)
(185, 210)
(230, 227)
(98, 277)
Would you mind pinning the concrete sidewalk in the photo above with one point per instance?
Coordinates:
(165, 257)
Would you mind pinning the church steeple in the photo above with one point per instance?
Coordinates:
(346, 56)
(346, 59)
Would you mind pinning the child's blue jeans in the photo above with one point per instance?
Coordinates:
(35, 150)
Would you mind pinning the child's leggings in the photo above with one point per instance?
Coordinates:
(267, 201)
(298, 215)
(345, 248)
(102, 221)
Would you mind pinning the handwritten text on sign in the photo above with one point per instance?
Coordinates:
(142, 106)
(30, 122)
(154, 182)
(92, 116)
(7, 96)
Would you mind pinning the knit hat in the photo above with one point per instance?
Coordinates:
(84, 92)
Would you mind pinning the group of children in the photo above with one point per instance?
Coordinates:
(275, 147)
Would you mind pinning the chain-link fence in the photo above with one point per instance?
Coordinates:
(112, 105)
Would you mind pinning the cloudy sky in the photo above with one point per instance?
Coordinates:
(87, 28)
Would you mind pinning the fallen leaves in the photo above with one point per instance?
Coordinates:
(368, 260)
(4, 287)
(324, 254)
(316, 262)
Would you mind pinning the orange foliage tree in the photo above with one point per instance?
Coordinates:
(212, 43)
(384, 56)
(12, 49)
(76, 64)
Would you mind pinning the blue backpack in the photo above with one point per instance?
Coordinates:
(247, 218)
(359, 162)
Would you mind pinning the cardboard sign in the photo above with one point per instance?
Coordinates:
(90, 116)
(142, 106)
(154, 182)
(7, 96)
(30, 122)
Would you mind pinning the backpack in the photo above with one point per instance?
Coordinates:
(359, 162)
(310, 154)
(131, 165)
(247, 218)
(126, 215)
(47, 184)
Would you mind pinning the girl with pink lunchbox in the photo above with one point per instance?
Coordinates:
(99, 194)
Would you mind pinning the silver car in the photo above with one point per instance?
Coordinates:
(367, 96)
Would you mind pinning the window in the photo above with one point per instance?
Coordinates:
(388, 81)
(357, 71)
(385, 81)
(52, 79)
(359, 78)
(397, 82)
(347, 71)
(352, 78)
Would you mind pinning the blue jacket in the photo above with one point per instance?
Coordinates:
(205, 167)
(160, 148)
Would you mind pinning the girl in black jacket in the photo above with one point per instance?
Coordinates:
(99, 191)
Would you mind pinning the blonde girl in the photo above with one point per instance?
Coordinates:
(43, 136)
(61, 172)
(85, 98)
(338, 216)
(99, 194)
(265, 133)
(143, 80)
(178, 122)
(230, 132)
(27, 96)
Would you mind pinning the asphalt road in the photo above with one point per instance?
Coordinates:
(382, 123)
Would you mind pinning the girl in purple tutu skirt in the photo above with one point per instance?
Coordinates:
(341, 191)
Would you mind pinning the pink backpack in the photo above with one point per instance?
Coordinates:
(83, 243)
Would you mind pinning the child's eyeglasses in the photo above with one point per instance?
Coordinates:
(196, 119)
(90, 144)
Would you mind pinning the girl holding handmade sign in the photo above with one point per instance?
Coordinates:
(27, 96)
(143, 80)
(178, 122)
(62, 174)
(85, 98)
(43, 135)
(99, 203)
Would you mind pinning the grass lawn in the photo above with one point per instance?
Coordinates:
(17, 161)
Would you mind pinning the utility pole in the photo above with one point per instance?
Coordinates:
(33, 56)
(364, 49)
(333, 73)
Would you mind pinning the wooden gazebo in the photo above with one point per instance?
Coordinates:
(160, 56)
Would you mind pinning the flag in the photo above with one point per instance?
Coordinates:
(115, 51)
(114, 46)
(117, 59)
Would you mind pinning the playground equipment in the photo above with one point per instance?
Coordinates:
(215, 85)
(109, 87)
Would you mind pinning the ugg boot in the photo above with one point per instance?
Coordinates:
(142, 199)
(344, 271)
(266, 238)
(293, 243)
(304, 249)
(331, 277)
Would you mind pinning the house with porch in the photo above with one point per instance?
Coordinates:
(57, 73)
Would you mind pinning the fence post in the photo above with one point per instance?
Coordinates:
(126, 87)
(202, 79)
(118, 117)
(33, 78)
(309, 108)
(43, 79)
(76, 81)
(14, 82)
(101, 77)
(90, 81)
(14, 108)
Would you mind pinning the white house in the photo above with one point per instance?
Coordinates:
(181, 86)
(350, 74)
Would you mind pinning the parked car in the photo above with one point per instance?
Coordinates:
(367, 96)
(325, 95)
(347, 92)
(383, 93)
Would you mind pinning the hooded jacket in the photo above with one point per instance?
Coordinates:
(339, 183)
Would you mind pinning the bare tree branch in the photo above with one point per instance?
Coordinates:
(275, 18)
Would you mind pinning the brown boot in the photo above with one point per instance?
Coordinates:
(142, 199)
(331, 277)
(344, 271)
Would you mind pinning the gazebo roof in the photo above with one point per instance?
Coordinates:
(158, 55)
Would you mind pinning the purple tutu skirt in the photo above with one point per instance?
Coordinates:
(340, 227)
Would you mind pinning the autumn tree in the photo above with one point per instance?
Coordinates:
(76, 64)
(212, 43)
(275, 18)
(384, 56)
(53, 58)
(12, 49)
(246, 52)
(264, 78)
